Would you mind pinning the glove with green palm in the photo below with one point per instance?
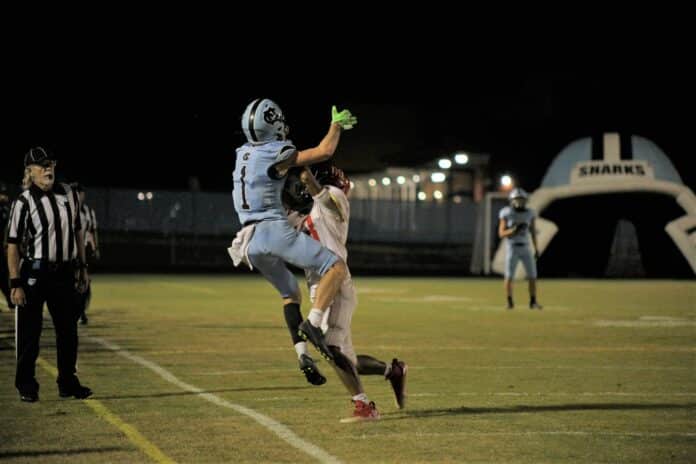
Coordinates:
(344, 118)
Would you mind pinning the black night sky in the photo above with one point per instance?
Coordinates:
(154, 127)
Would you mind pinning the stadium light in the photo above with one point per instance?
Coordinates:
(461, 158)
(437, 195)
(141, 196)
(438, 177)
(386, 181)
(506, 182)
(422, 196)
(400, 180)
(148, 195)
(372, 182)
(444, 163)
(416, 178)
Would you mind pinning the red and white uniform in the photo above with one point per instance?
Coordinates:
(328, 222)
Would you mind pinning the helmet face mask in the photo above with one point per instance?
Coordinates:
(295, 194)
(519, 203)
(263, 121)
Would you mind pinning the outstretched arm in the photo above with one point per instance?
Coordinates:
(340, 120)
(323, 151)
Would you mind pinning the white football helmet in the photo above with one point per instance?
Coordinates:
(263, 121)
(518, 198)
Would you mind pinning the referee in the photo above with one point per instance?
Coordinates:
(91, 240)
(45, 223)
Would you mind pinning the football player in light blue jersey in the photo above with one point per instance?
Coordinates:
(516, 223)
(259, 177)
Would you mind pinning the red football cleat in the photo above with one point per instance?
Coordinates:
(363, 412)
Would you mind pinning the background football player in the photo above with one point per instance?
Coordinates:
(516, 222)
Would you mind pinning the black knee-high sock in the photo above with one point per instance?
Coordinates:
(293, 319)
(346, 371)
(367, 365)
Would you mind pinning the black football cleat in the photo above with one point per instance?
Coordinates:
(315, 336)
(310, 370)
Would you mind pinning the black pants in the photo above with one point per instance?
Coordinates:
(56, 287)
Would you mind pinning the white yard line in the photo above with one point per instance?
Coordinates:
(646, 323)
(578, 368)
(473, 368)
(559, 394)
(581, 433)
(270, 424)
(564, 349)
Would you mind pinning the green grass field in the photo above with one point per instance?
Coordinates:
(605, 373)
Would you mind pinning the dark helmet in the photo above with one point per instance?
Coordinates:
(295, 194)
(327, 173)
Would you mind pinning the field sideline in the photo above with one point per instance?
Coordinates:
(201, 369)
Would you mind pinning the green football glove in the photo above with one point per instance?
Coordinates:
(344, 118)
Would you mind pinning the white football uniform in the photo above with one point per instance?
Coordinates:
(328, 222)
(518, 245)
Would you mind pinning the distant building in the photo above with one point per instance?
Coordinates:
(457, 177)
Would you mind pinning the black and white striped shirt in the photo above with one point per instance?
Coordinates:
(89, 223)
(45, 224)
